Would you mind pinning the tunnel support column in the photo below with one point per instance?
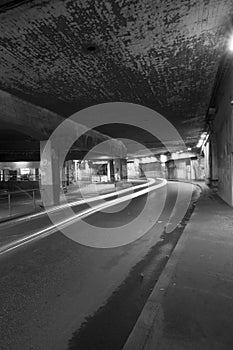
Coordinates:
(117, 169)
(123, 169)
(50, 174)
(213, 161)
(221, 138)
(111, 169)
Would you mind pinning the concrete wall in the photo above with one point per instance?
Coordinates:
(133, 170)
(152, 170)
(186, 168)
(221, 143)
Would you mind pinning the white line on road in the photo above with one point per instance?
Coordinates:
(79, 202)
(79, 216)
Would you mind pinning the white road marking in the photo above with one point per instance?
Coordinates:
(87, 212)
(79, 202)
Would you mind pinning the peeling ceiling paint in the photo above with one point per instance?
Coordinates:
(160, 54)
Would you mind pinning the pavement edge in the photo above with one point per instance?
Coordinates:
(151, 317)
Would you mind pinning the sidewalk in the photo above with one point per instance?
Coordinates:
(191, 305)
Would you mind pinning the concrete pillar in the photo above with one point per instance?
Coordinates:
(117, 169)
(76, 171)
(221, 154)
(171, 167)
(108, 171)
(231, 156)
(36, 174)
(123, 169)
(50, 174)
(111, 167)
(206, 151)
(213, 159)
(69, 172)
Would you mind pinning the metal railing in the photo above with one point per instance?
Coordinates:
(11, 196)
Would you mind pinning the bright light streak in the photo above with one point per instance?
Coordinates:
(203, 135)
(202, 139)
(230, 43)
(150, 186)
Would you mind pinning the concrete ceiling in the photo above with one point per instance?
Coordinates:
(65, 55)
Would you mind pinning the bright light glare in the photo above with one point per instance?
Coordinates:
(203, 136)
(163, 158)
(230, 43)
(146, 160)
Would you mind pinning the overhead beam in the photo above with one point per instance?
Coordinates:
(37, 124)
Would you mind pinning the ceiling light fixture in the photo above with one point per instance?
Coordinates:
(163, 158)
(202, 140)
(203, 135)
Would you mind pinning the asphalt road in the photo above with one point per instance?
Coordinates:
(53, 287)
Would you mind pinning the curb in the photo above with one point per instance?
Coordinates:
(151, 316)
(189, 182)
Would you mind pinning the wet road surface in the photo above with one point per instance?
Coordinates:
(52, 289)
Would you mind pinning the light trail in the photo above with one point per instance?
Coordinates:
(82, 215)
